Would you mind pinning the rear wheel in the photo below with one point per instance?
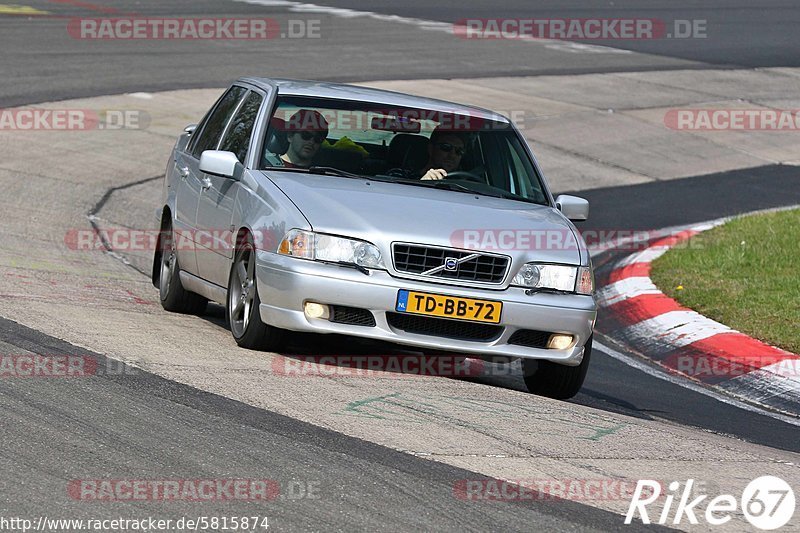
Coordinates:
(171, 292)
(554, 380)
(243, 309)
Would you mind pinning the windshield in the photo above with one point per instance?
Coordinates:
(409, 146)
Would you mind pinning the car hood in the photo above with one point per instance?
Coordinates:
(383, 213)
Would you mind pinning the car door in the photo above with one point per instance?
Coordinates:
(192, 181)
(187, 196)
(215, 212)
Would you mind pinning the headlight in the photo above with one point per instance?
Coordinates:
(322, 247)
(554, 277)
(298, 243)
(585, 281)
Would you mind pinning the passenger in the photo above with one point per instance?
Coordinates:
(305, 130)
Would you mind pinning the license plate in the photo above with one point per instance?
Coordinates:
(423, 303)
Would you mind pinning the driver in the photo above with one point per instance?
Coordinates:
(445, 150)
(306, 130)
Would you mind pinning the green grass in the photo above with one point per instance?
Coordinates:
(744, 274)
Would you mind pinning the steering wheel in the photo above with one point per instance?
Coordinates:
(464, 175)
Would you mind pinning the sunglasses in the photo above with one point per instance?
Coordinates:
(307, 136)
(447, 148)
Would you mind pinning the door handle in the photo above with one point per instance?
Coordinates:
(184, 172)
(205, 183)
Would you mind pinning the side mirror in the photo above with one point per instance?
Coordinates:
(573, 207)
(221, 163)
(190, 128)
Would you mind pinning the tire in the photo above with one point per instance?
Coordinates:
(170, 290)
(243, 303)
(554, 380)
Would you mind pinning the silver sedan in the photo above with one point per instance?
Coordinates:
(331, 208)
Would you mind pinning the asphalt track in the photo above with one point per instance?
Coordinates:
(130, 420)
(54, 433)
(738, 33)
(41, 62)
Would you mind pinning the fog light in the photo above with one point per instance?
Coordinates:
(559, 342)
(315, 310)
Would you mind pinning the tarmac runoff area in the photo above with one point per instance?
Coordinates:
(588, 131)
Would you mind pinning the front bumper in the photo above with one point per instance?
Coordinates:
(286, 283)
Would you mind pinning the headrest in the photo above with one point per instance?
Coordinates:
(277, 142)
(408, 151)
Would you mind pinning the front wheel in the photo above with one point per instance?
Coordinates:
(554, 380)
(243, 309)
(170, 290)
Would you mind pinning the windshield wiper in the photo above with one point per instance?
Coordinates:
(512, 196)
(347, 264)
(546, 290)
(450, 186)
(331, 171)
(334, 171)
(287, 169)
(434, 184)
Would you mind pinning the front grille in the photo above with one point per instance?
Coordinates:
(442, 327)
(352, 315)
(530, 338)
(484, 268)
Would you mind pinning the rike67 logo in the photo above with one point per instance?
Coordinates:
(767, 502)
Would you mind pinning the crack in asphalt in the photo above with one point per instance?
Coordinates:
(91, 215)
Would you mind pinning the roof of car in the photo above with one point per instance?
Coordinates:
(341, 91)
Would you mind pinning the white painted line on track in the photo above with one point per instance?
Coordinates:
(779, 380)
(626, 288)
(676, 328)
(787, 368)
(653, 371)
(646, 235)
(646, 256)
(423, 24)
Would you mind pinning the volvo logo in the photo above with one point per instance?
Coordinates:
(450, 264)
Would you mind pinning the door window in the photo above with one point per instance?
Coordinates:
(214, 126)
(237, 138)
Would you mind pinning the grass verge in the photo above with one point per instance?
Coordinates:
(744, 274)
